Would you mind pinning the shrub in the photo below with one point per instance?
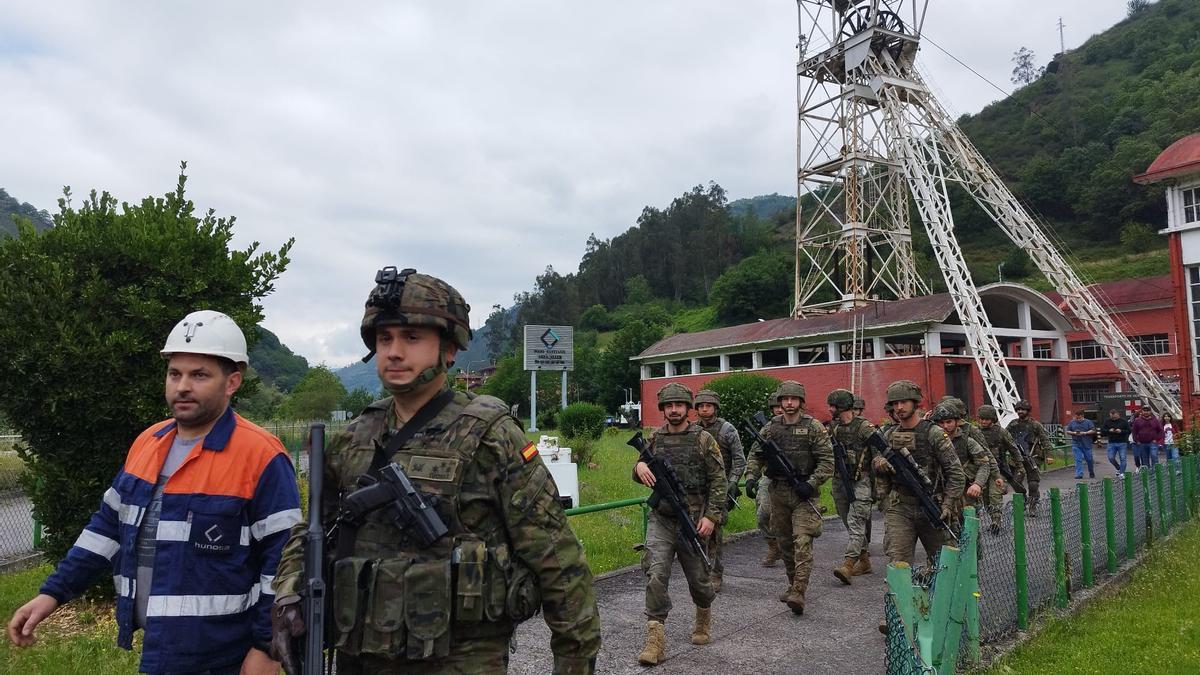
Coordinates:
(582, 420)
(583, 449)
(546, 419)
(742, 395)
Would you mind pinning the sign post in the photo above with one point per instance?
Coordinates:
(547, 348)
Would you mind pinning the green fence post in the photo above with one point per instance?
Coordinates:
(37, 522)
(1110, 526)
(1022, 565)
(1085, 532)
(1060, 553)
(1162, 503)
(1174, 516)
(1130, 536)
(1146, 502)
(1186, 486)
(645, 519)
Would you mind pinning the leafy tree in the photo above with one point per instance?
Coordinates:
(1016, 265)
(758, 287)
(262, 404)
(596, 318)
(637, 290)
(499, 329)
(315, 397)
(85, 308)
(1134, 6)
(742, 395)
(356, 401)
(581, 420)
(617, 372)
(1024, 71)
(1138, 237)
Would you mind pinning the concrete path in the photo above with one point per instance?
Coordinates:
(752, 631)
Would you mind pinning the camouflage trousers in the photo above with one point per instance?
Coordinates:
(855, 514)
(1027, 480)
(762, 504)
(477, 656)
(716, 544)
(904, 525)
(795, 523)
(661, 548)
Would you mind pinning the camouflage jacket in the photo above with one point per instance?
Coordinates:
(1001, 444)
(504, 497)
(732, 454)
(1031, 429)
(854, 436)
(816, 442)
(937, 458)
(975, 460)
(707, 497)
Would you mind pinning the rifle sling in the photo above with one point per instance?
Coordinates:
(347, 532)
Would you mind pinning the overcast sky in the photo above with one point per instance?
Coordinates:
(477, 141)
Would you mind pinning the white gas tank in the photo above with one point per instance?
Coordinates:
(564, 472)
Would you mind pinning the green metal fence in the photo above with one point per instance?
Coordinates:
(1036, 563)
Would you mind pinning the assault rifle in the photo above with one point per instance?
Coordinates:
(668, 485)
(775, 457)
(1021, 440)
(313, 601)
(910, 475)
(841, 467)
(411, 512)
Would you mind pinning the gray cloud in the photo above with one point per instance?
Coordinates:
(474, 140)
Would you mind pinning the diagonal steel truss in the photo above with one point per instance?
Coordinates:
(870, 133)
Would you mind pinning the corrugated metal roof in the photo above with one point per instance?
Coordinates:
(1181, 157)
(915, 311)
(1128, 291)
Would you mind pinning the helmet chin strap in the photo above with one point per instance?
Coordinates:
(424, 377)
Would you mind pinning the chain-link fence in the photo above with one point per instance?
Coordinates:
(17, 537)
(1078, 537)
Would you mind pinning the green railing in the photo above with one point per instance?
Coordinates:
(619, 504)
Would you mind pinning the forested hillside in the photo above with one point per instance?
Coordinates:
(10, 206)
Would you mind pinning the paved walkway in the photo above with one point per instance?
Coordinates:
(752, 631)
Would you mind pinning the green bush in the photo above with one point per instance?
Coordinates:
(582, 420)
(583, 449)
(547, 418)
(742, 395)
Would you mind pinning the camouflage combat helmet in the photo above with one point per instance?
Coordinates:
(773, 399)
(708, 396)
(988, 412)
(859, 403)
(674, 392)
(904, 390)
(943, 412)
(791, 388)
(406, 298)
(1023, 405)
(842, 399)
(956, 403)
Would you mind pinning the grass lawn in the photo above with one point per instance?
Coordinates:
(1152, 625)
(609, 536)
(79, 638)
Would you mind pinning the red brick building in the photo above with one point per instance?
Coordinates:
(919, 339)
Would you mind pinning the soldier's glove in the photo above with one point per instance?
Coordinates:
(287, 624)
(804, 490)
(574, 665)
(731, 496)
(947, 512)
(752, 488)
(881, 465)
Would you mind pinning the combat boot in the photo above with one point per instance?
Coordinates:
(863, 564)
(703, 628)
(845, 571)
(795, 598)
(787, 592)
(772, 553)
(654, 652)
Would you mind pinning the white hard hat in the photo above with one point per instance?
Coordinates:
(207, 332)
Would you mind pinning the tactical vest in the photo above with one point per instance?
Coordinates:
(715, 430)
(848, 436)
(992, 436)
(683, 451)
(394, 598)
(962, 449)
(796, 441)
(917, 442)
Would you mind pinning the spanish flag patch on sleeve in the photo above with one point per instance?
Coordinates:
(529, 452)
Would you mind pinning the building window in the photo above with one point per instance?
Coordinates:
(657, 369)
(846, 350)
(903, 345)
(1191, 205)
(1194, 300)
(1151, 345)
(710, 364)
(683, 367)
(1083, 350)
(774, 358)
(1043, 350)
(743, 361)
(1090, 392)
(807, 354)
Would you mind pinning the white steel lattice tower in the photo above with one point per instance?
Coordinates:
(870, 136)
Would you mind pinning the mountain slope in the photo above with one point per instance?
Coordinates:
(10, 206)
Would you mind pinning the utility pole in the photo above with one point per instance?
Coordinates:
(1062, 49)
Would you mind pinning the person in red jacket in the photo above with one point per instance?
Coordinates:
(1147, 436)
(193, 525)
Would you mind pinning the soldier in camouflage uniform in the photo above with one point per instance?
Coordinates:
(853, 433)
(452, 607)
(903, 521)
(795, 519)
(1000, 442)
(708, 404)
(975, 460)
(995, 487)
(694, 455)
(762, 500)
(1030, 432)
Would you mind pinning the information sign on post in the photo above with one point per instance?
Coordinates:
(547, 348)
